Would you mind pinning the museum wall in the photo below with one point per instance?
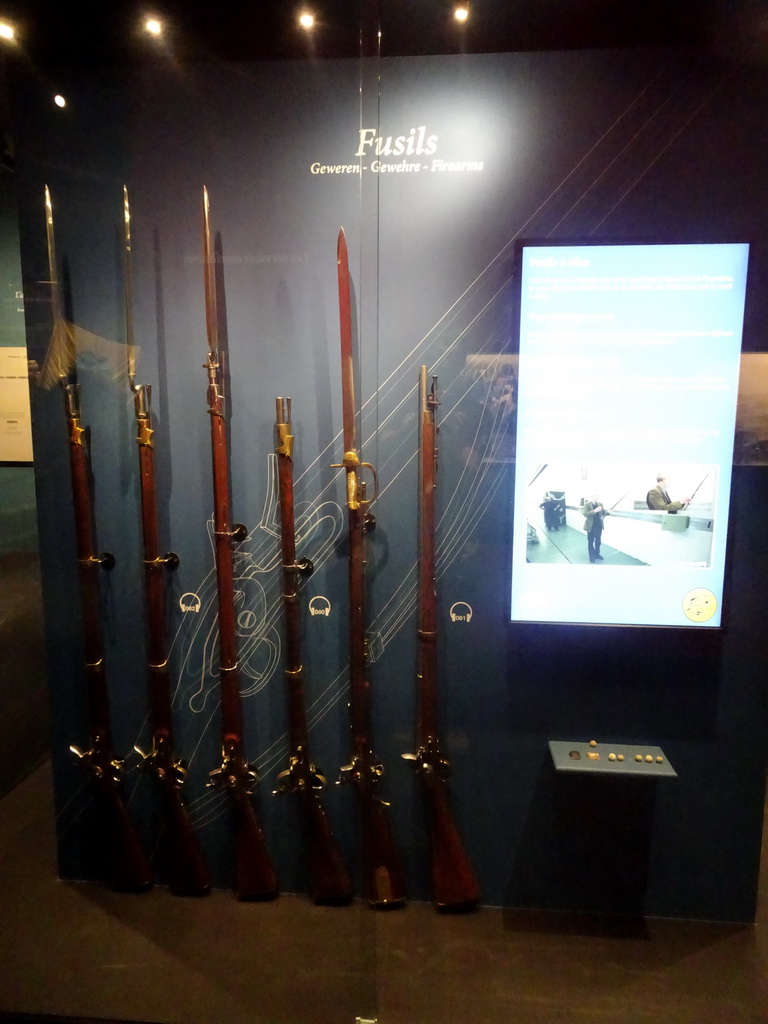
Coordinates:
(15, 429)
(622, 146)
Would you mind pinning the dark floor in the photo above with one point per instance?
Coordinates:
(23, 694)
(81, 950)
(18, 513)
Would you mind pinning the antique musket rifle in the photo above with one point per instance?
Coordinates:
(454, 886)
(383, 879)
(182, 858)
(125, 865)
(329, 879)
(254, 875)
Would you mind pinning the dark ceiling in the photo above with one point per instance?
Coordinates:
(77, 32)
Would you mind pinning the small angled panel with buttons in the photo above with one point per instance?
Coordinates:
(612, 758)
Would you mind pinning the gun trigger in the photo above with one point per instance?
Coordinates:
(179, 769)
(140, 752)
(283, 783)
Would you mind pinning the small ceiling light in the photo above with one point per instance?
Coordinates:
(461, 12)
(153, 26)
(59, 100)
(307, 20)
(7, 32)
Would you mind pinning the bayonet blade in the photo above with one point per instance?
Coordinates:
(59, 364)
(53, 277)
(347, 359)
(209, 273)
(128, 287)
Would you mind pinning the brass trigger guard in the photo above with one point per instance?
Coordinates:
(365, 502)
(356, 487)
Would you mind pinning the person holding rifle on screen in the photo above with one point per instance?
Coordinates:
(594, 513)
(552, 511)
(659, 500)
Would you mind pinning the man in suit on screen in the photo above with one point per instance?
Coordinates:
(659, 500)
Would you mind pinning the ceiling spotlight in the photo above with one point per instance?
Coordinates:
(59, 100)
(307, 20)
(153, 26)
(7, 32)
(461, 12)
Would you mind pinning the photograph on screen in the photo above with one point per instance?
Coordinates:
(627, 385)
(620, 515)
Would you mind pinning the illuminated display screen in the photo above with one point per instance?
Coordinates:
(626, 406)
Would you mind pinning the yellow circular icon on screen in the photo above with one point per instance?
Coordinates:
(699, 604)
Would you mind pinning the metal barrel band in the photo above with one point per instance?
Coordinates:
(171, 560)
(237, 533)
(145, 433)
(106, 561)
(304, 566)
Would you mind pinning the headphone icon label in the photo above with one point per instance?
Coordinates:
(189, 603)
(461, 612)
(319, 606)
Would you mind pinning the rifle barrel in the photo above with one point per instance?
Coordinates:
(698, 487)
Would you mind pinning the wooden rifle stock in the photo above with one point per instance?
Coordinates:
(254, 874)
(328, 876)
(454, 886)
(383, 877)
(182, 858)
